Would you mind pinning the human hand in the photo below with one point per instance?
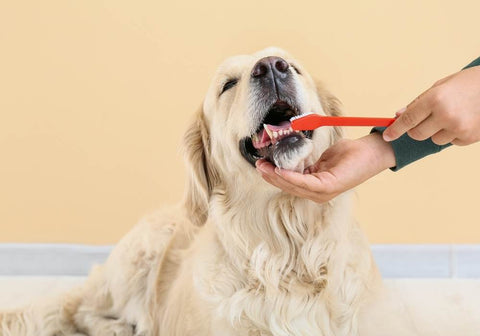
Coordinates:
(340, 168)
(448, 112)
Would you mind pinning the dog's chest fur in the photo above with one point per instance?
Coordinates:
(285, 278)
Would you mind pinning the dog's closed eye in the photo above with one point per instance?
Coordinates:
(229, 84)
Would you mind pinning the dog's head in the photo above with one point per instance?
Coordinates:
(245, 117)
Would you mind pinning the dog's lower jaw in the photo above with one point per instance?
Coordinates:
(293, 153)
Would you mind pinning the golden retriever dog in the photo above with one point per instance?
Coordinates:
(238, 256)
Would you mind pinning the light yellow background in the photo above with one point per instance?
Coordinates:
(95, 96)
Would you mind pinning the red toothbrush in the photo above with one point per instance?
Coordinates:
(310, 121)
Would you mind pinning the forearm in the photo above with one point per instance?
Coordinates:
(381, 153)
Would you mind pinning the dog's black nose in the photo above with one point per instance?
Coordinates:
(276, 65)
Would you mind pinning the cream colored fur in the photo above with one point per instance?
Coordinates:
(237, 257)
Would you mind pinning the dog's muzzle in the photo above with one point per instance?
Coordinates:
(273, 91)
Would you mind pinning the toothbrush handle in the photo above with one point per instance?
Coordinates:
(356, 121)
(312, 121)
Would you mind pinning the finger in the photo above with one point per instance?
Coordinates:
(273, 175)
(296, 191)
(459, 142)
(277, 182)
(280, 183)
(443, 80)
(415, 113)
(276, 175)
(260, 162)
(425, 129)
(400, 112)
(268, 173)
(319, 183)
(443, 137)
(316, 186)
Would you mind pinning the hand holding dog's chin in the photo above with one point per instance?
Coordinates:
(340, 168)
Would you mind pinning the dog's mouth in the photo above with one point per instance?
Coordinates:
(274, 129)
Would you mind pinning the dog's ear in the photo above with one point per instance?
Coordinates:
(202, 177)
(331, 106)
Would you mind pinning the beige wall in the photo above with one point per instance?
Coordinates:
(95, 95)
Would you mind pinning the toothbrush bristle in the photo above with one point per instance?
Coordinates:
(306, 122)
(300, 116)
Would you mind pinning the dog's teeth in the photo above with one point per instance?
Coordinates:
(290, 129)
(269, 132)
(281, 132)
(255, 138)
(275, 134)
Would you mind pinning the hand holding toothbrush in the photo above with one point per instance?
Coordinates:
(448, 112)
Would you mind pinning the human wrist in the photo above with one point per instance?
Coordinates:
(380, 151)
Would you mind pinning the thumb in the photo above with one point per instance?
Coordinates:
(411, 117)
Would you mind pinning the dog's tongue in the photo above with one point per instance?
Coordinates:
(264, 137)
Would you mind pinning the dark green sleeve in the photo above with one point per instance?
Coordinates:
(474, 63)
(408, 150)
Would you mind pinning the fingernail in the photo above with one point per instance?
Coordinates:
(277, 171)
(403, 109)
(386, 137)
